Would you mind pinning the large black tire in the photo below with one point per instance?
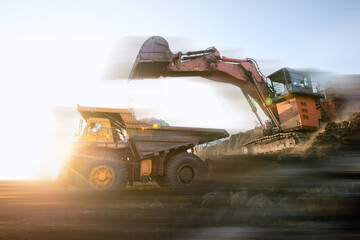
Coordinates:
(105, 171)
(184, 173)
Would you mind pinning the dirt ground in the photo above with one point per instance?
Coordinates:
(263, 200)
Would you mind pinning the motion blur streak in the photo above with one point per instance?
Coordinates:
(246, 198)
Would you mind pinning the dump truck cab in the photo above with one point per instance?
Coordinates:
(100, 132)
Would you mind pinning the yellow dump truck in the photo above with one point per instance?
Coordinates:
(115, 150)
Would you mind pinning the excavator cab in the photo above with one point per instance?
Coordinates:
(287, 80)
(295, 100)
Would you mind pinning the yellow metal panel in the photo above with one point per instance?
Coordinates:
(145, 167)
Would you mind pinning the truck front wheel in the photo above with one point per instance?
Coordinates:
(184, 172)
(107, 173)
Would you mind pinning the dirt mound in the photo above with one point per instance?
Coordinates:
(334, 136)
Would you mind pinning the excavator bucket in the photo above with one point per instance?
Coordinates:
(154, 55)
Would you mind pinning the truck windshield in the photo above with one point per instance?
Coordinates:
(95, 127)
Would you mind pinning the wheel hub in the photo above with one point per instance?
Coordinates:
(102, 177)
(186, 174)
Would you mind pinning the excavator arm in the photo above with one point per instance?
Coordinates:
(155, 60)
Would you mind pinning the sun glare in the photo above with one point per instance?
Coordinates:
(35, 148)
(41, 71)
(65, 70)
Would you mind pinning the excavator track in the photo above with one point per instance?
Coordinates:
(274, 143)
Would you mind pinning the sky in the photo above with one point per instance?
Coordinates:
(59, 54)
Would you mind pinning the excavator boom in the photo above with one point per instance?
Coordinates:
(155, 59)
(286, 96)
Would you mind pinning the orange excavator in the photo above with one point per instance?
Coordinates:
(293, 107)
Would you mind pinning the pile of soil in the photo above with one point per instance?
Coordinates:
(335, 136)
(332, 137)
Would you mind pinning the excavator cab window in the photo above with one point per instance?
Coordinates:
(279, 83)
(279, 88)
(289, 80)
(300, 82)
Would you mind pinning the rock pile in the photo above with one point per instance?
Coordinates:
(334, 136)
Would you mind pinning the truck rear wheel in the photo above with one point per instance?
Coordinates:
(106, 172)
(184, 173)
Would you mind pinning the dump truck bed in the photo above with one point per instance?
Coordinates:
(154, 140)
(151, 140)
